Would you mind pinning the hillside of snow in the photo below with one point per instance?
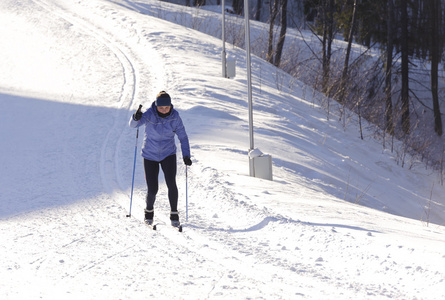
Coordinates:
(340, 220)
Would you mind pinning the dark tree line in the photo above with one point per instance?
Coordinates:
(405, 29)
(410, 37)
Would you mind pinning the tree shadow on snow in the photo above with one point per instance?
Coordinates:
(55, 153)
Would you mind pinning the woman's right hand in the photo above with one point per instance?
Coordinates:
(138, 114)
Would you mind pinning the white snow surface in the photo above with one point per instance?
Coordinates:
(340, 220)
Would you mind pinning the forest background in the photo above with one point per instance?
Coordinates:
(380, 59)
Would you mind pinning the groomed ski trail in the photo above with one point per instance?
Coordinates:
(228, 248)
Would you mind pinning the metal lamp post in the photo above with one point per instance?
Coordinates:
(223, 37)
(249, 83)
(260, 165)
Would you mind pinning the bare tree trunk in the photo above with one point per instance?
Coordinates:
(344, 76)
(283, 30)
(405, 68)
(273, 8)
(328, 36)
(324, 61)
(435, 59)
(345, 73)
(389, 126)
(259, 6)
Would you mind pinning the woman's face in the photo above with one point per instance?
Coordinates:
(163, 109)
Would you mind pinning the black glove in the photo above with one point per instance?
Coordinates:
(187, 161)
(138, 114)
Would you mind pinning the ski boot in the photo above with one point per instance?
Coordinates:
(149, 214)
(174, 218)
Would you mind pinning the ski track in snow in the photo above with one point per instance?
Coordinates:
(98, 234)
(109, 163)
(234, 246)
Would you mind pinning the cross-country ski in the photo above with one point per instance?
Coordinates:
(178, 228)
(150, 224)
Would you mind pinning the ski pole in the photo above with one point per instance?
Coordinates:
(186, 198)
(134, 167)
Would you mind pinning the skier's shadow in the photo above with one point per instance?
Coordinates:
(266, 221)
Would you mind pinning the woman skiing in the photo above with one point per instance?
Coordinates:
(161, 122)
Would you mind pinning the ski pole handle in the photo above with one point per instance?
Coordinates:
(138, 114)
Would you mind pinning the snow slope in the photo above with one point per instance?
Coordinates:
(340, 220)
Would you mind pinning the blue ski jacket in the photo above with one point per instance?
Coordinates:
(159, 137)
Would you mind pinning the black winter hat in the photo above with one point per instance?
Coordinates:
(163, 99)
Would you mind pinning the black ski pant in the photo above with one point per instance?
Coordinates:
(151, 169)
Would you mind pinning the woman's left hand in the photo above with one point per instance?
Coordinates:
(187, 161)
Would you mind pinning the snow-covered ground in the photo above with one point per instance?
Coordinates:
(340, 220)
